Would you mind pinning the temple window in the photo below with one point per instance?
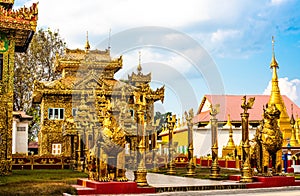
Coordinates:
(1, 66)
(21, 128)
(131, 113)
(56, 113)
(56, 149)
(74, 111)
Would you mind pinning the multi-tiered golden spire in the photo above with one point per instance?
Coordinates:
(276, 98)
(293, 140)
(87, 43)
(230, 142)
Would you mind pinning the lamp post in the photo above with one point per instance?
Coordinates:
(171, 165)
(191, 165)
(246, 171)
(215, 169)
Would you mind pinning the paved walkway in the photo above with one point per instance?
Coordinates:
(160, 180)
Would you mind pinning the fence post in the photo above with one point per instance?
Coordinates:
(31, 162)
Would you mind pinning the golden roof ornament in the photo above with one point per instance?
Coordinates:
(139, 78)
(274, 63)
(228, 123)
(292, 117)
(293, 140)
(139, 68)
(21, 23)
(87, 44)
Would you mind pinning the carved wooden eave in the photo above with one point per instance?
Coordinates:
(8, 4)
(139, 78)
(19, 24)
(73, 85)
(156, 95)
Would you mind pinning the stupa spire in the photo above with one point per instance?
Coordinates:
(230, 142)
(274, 63)
(139, 68)
(276, 98)
(87, 43)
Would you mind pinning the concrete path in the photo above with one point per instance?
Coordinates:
(160, 180)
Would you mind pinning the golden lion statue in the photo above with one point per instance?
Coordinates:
(268, 141)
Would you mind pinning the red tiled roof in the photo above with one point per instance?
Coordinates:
(231, 104)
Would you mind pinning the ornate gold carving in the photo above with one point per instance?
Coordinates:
(13, 24)
(269, 141)
(246, 170)
(215, 169)
(107, 112)
(19, 24)
(190, 166)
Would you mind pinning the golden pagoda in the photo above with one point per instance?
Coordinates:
(229, 149)
(16, 31)
(276, 98)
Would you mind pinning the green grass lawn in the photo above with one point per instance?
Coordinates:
(39, 182)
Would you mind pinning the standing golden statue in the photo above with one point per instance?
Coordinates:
(269, 140)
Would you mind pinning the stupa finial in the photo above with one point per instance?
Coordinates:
(87, 44)
(139, 68)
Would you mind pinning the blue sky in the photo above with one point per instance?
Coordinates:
(236, 34)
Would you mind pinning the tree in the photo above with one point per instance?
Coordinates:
(163, 120)
(36, 63)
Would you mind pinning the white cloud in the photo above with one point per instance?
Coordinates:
(290, 88)
(223, 35)
(278, 2)
(222, 26)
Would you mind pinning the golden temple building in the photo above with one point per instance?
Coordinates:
(87, 114)
(16, 31)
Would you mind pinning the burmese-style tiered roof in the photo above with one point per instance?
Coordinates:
(82, 70)
(139, 78)
(19, 23)
(74, 60)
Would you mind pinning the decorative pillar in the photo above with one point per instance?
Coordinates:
(191, 165)
(154, 146)
(215, 169)
(246, 170)
(141, 172)
(171, 165)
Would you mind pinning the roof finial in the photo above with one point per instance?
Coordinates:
(139, 68)
(273, 43)
(292, 117)
(109, 35)
(273, 62)
(87, 44)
